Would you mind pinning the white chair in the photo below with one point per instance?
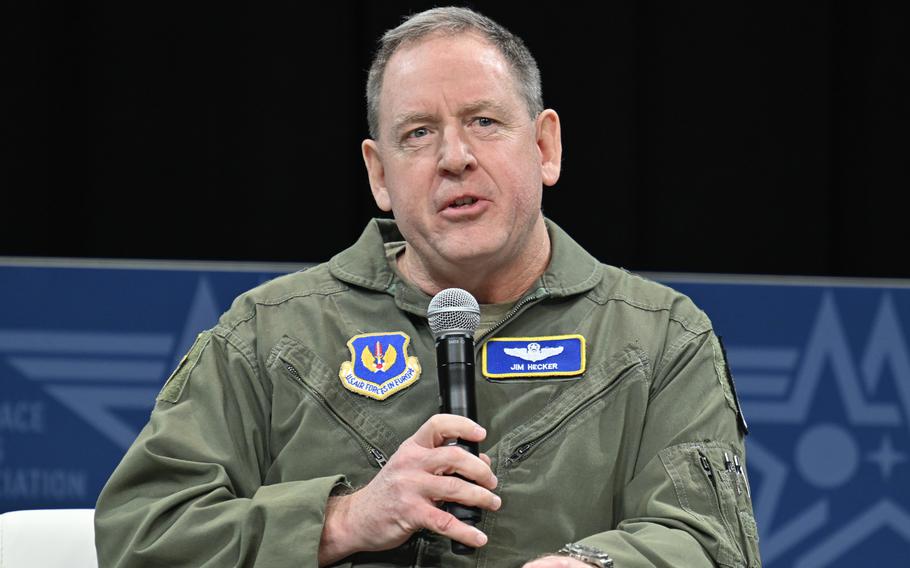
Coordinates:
(52, 538)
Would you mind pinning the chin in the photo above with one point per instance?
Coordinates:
(471, 252)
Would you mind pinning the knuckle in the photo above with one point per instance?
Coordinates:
(489, 499)
(443, 521)
(407, 448)
(452, 485)
(408, 454)
(452, 454)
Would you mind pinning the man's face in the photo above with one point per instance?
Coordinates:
(459, 160)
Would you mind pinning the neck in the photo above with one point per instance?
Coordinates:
(490, 282)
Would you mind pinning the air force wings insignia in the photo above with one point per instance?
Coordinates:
(379, 365)
(550, 356)
(533, 352)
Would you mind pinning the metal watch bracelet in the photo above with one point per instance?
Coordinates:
(587, 554)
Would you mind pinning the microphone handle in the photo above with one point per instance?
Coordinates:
(455, 368)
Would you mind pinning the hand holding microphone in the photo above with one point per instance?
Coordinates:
(401, 499)
(454, 315)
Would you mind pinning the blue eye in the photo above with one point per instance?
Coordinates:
(484, 121)
(419, 132)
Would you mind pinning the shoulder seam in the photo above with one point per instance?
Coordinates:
(677, 346)
(685, 323)
(280, 300)
(240, 345)
(356, 279)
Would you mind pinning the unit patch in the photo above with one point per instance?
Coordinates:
(550, 356)
(379, 365)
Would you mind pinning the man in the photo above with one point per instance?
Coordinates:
(304, 429)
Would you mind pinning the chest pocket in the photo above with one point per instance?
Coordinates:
(310, 409)
(570, 408)
(566, 460)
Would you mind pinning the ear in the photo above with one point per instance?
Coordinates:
(549, 144)
(373, 161)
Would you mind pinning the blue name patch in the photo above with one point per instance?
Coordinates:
(549, 356)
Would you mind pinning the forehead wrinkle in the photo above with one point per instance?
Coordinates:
(410, 60)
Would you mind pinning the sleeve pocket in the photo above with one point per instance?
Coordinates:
(710, 488)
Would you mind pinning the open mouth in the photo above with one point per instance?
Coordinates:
(462, 202)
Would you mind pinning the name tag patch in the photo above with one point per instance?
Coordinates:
(379, 365)
(548, 356)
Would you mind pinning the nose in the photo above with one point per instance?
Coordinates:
(455, 153)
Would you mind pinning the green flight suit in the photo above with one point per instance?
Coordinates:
(254, 429)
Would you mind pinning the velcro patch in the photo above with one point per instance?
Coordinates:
(722, 367)
(548, 356)
(173, 388)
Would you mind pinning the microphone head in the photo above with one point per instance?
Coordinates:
(453, 311)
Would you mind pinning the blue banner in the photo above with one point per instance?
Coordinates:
(83, 353)
(822, 370)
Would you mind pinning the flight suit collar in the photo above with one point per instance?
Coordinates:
(571, 270)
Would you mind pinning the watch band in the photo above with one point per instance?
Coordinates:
(587, 554)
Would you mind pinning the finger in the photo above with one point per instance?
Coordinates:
(447, 525)
(555, 562)
(453, 489)
(447, 460)
(486, 459)
(441, 427)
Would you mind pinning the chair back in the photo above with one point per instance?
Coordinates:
(51, 538)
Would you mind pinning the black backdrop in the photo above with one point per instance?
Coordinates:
(715, 137)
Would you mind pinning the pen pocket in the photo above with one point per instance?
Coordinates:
(716, 496)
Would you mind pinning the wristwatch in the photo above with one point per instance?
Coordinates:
(587, 554)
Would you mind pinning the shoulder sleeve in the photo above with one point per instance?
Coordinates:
(688, 502)
(190, 491)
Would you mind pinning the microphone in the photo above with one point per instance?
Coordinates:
(454, 315)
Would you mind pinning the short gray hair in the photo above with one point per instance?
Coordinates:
(454, 21)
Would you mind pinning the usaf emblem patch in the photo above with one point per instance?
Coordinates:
(550, 356)
(379, 365)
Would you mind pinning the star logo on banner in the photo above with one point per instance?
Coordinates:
(840, 419)
(95, 374)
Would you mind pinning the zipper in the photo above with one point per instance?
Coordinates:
(706, 465)
(511, 314)
(420, 544)
(519, 454)
(374, 453)
(379, 457)
(523, 450)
